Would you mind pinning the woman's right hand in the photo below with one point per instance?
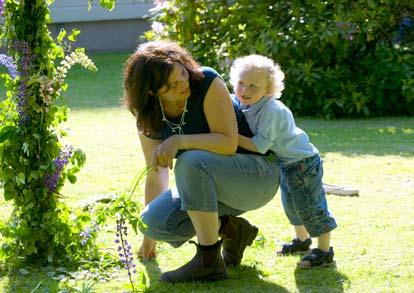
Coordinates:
(148, 249)
(165, 152)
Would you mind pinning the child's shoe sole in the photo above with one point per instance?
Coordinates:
(317, 259)
(324, 265)
(303, 252)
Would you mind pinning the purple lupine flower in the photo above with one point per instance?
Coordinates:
(9, 63)
(1, 7)
(125, 249)
(86, 235)
(60, 162)
(26, 58)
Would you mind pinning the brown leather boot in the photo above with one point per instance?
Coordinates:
(237, 234)
(206, 265)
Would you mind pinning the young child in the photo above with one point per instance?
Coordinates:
(258, 84)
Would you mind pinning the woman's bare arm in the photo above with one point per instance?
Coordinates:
(157, 177)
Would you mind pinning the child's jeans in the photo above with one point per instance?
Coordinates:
(303, 196)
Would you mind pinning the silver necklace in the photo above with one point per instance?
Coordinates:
(175, 127)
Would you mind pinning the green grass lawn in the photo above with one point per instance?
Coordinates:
(375, 235)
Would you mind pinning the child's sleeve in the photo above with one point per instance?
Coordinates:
(272, 124)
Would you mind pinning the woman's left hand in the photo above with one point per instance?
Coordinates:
(165, 152)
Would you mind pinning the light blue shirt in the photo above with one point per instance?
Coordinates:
(274, 128)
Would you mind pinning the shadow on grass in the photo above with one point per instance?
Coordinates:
(320, 280)
(242, 279)
(379, 136)
(31, 282)
(36, 278)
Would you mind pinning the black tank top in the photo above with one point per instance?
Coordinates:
(195, 119)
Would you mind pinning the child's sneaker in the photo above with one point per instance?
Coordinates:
(295, 247)
(317, 258)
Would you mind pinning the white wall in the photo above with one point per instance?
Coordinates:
(65, 11)
(102, 30)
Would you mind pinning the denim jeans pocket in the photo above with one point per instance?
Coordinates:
(304, 181)
(295, 175)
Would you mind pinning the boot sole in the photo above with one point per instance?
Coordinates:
(210, 278)
(217, 277)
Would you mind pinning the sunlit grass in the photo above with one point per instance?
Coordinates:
(373, 241)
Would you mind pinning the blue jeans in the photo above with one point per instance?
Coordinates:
(206, 181)
(303, 196)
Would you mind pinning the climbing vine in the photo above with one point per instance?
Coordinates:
(34, 161)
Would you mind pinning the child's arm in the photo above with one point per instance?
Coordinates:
(247, 143)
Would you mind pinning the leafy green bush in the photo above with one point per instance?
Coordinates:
(341, 58)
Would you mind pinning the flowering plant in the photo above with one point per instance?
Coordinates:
(124, 249)
(34, 164)
(126, 210)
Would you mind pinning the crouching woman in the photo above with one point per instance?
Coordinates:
(184, 111)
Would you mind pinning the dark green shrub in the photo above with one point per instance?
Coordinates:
(341, 58)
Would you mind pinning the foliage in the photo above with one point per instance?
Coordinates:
(125, 208)
(340, 58)
(34, 164)
(108, 4)
(364, 262)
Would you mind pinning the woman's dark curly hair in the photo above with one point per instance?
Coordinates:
(145, 72)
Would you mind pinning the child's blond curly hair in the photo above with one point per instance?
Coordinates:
(275, 75)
